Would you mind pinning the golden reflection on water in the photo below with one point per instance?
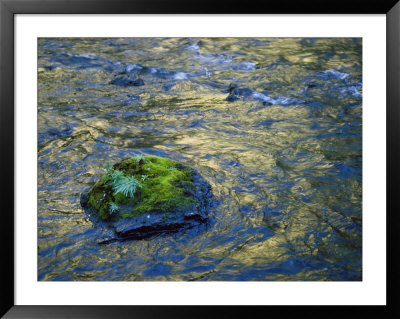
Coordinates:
(286, 178)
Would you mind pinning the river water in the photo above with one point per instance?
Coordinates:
(283, 154)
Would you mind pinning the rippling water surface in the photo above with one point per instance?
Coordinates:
(274, 125)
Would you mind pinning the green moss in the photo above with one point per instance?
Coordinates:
(165, 188)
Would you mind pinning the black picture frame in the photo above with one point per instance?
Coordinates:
(8, 8)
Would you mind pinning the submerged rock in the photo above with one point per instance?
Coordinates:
(127, 80)
(145, 196)
(236, 93)
(53, 133)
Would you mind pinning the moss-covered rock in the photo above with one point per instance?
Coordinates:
(153, 192)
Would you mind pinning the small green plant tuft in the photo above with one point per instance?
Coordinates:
(140, 157)
(114, 208)
(126, 185)
(121, 183)
(114, 175)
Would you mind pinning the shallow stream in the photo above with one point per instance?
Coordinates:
(273, 125)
